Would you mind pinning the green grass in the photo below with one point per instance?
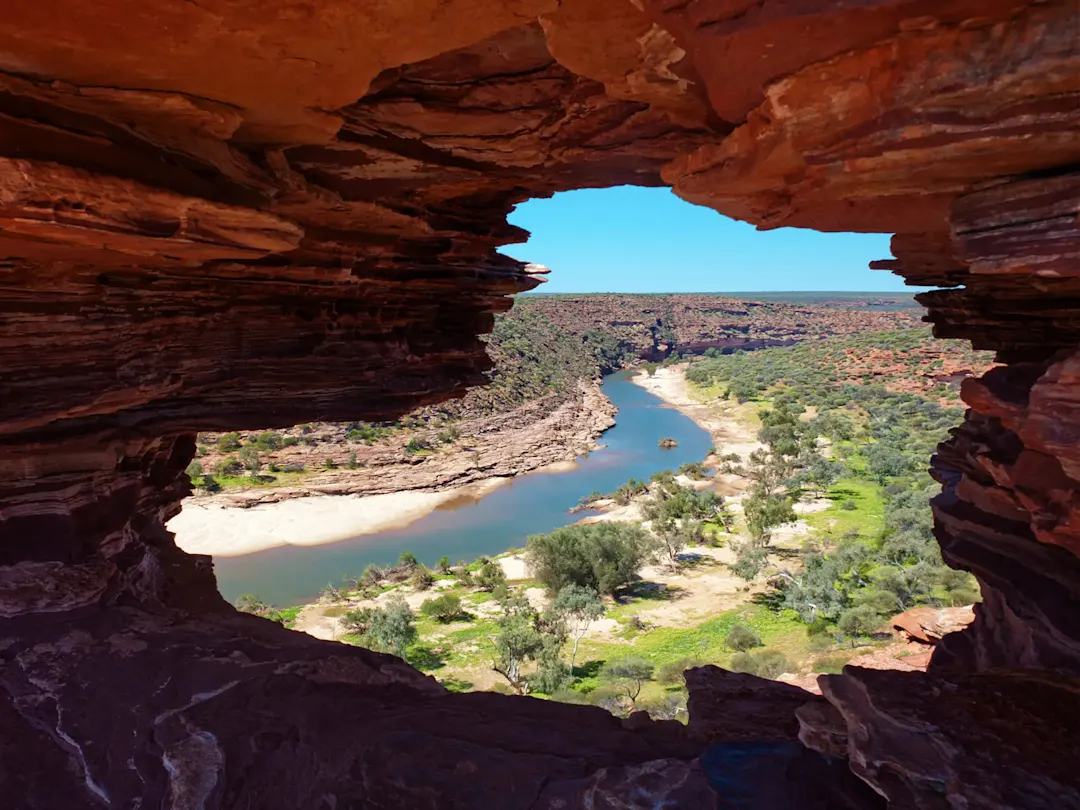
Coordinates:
(868, 517)
(704, 642)
(289, 614)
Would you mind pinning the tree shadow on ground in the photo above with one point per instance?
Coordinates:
(785, 553)
(590, 669)
(426, 659)
(691, 559)
(651, 591)
(771, 599)
(457, 685)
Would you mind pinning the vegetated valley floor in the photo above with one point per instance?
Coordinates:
(821, 531)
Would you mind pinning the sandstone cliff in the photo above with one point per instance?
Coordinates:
(229, 215)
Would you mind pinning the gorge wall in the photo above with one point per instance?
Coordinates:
(229, 214)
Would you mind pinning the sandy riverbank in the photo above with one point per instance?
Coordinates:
(213, 528)
(731, 432)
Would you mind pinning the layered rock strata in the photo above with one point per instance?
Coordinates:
(224, 215)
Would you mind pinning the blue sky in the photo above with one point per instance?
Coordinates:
(629, 239)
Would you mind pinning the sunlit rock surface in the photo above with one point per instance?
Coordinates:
(229, 214)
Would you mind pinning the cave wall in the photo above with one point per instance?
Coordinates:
(229, 214)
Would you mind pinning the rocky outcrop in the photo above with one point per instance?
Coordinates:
(929, 625)
(537, 434)
(963, 740)
(224, 215)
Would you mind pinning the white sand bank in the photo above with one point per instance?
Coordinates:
(217, 529)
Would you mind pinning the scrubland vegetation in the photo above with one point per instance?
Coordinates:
(595, 616)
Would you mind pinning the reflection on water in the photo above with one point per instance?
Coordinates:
(466, 527)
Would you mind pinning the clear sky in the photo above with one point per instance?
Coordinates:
(631, 239)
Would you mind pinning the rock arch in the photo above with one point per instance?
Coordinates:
(229, 214)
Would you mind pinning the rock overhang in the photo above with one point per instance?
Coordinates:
(225, 214)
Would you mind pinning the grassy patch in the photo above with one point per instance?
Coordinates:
(867, 518)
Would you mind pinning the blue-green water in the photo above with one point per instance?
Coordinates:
(530, 504)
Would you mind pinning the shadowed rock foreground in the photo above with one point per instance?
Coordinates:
(233, 215)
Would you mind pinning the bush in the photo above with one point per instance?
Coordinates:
(268, 440)
(671, 674)
(601, 556)
(763, 663)
(194, 470)
(831, 664)
(417, 445)
(422, 578)
(408, 560)
(742, 639)
(359, 620)
(228, 466)
(443, 608)
(443, 564)
(849, 506)
(490, 576)
(229, 442)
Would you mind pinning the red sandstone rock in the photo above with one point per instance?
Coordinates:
(928, 625)
(227, 215)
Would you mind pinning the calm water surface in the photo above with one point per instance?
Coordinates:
(467, 528)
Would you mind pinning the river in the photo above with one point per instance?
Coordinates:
(465, 529)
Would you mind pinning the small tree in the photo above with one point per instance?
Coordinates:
(578, 607)
(444, 564)
(490, 576)
(392, 627)
(351, 464)
(749, 562)
(742, 639)
(517, 642)
(249, 457)
(422, 578)
(229, 442)
(858, 621)
(194, 470)
(629, 675)
(443, 608)
(358, 620)
(408, 560)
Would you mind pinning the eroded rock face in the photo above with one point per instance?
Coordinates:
(225, 215)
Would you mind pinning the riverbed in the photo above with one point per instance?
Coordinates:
(468, 527)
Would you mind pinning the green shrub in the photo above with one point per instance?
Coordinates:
(849, 506)
(763, 663)
(831, 664)
(443, 608)
(601, 556)
(422, 578)
(490, 576)
(742, 639)
(229, 442)
(228, 466)
(671, 674)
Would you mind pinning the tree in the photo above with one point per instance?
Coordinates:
(443, 608)
(822, 473)
(884, 462)
(578, 607)
(249, 457)
(358, 620)
(408, 560)
(749, 560)
(194, 470)
(601, 556)
(490, 576)
(517, 642)
(392, 627)
(858, 621)
(443, 564)
(629, 675)
(765, 512)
